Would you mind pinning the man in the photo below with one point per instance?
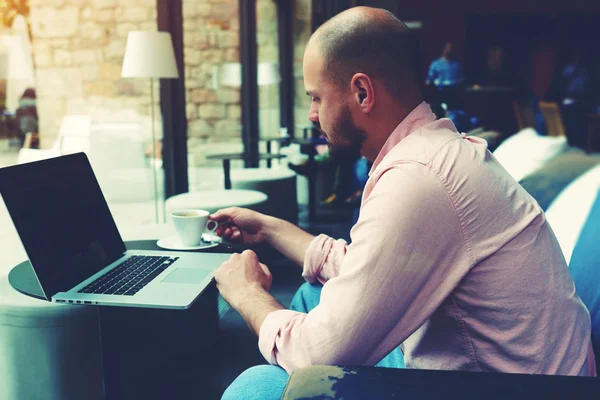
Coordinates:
(446, 74)
(450, 259)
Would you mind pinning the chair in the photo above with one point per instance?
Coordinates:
(116, 152)
(526, 151)
(73, 136)
(593, 142)
(553, 119)
(575, 217)
(523, 115)
(493, 138)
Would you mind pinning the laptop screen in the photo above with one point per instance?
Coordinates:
(62, 219)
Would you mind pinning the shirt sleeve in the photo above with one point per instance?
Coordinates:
(323, 259)
(406, 256)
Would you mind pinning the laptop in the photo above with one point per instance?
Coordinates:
(76, 250)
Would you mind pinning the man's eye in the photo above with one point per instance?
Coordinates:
(316, 99)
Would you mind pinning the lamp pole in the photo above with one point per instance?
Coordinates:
(153, 161)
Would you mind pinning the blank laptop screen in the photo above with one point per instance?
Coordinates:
(62, 218)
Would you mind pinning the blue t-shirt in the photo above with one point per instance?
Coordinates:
(443, 72)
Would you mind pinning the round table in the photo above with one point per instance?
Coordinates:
(213, 200)
(282, 141)
(227, 157)
(122, 341)
(22, 278)
(308, 147)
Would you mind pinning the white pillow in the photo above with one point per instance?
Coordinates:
(570, 209)
(526, 151)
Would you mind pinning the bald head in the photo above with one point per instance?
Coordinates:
(371, 41)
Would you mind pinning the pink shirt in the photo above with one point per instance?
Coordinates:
(450, 258)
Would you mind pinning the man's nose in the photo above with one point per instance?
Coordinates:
(313, 115)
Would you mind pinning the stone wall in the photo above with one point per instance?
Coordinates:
(78, 48)
(211, 39)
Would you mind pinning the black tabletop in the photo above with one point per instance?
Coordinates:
(22, 278)
(243, 156)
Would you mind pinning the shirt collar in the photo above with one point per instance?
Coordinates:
(418, 117)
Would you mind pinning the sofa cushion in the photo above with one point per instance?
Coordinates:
(526, 151)
(585, 268)
(569, 211)
(547, 182)
(493, 138)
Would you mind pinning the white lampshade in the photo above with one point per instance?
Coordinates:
(231, 75)
(268, 73)
(149, 55)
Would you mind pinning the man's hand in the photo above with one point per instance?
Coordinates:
(242, 275)
(250, 227)
(244, 283)
(240, 225)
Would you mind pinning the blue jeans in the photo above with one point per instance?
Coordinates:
(266, 382)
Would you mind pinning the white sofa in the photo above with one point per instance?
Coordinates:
(116, 151)
(526, 151)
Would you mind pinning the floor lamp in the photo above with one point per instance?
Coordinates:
(150, 55)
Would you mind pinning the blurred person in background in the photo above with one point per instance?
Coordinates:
(27, 118)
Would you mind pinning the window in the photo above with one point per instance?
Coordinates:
(62, 92)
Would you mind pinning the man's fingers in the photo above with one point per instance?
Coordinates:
(225, 214)
(265, 269)
(250, 255)
(227, 230)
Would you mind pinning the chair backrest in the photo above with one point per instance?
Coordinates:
(553, 119)
(74, 134)
(593, 144)
(523, 115)
(526, 151)
(493, 138)
(117, 146)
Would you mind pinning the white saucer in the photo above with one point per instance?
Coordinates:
(172, 243)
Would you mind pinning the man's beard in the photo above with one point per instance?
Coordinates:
(344, 136)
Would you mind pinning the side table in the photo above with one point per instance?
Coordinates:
(270, 139)
(307, 146)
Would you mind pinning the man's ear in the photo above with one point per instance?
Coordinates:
(363, 92)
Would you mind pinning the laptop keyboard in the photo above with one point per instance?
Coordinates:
(130, 276)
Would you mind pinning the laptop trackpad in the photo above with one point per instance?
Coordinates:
(186, 275)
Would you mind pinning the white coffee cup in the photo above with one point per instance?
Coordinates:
(190, 225)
